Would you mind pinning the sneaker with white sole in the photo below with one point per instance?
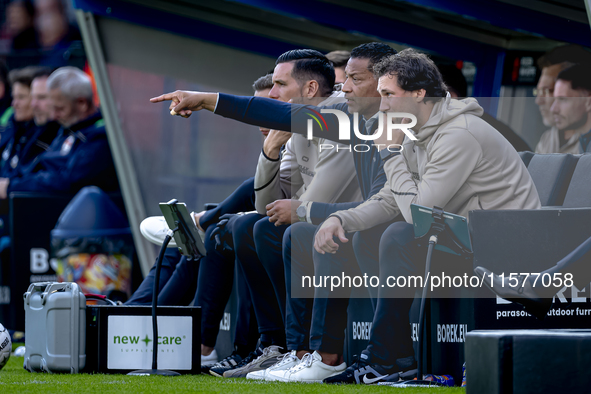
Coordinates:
(230, 361)
(364, 371)
(210, 359)
(286, 361)
(155, 229)
(310, 370)
(220, 371)
(261, 363)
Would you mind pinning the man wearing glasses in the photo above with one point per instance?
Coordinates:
(555, 140)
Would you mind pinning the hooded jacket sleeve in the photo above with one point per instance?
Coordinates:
(378, 209)
(276, 179)
(334, 174)
(320, 211)
(453, 158)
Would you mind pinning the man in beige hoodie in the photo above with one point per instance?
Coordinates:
(458, 162)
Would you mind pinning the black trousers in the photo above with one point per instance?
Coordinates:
(266, 306)
(401, 257)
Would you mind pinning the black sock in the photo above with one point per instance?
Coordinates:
(242, 350)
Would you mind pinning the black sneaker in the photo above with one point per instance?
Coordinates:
(362, 371)
(219, 371)
(232, 359)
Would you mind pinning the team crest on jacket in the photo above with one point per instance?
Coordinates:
(67, 145)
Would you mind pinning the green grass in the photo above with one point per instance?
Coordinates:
(14, 379)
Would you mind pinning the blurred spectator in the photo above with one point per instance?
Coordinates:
(458, 87)
(28, 133)
(20, 82)
(24, 138)
(339, 60)
(42, 109)
(80, 155)
(551, 64)
(571, 108)
(5, 99)
(20, 18)
(54, 29)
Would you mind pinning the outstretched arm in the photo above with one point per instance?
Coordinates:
(257, 111)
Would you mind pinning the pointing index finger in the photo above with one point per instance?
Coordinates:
(163, 97)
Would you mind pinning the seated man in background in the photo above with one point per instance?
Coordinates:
(339, 62)
(457, 87)
(5, 108)
(79, 156)
(572, 104)
(552, 63)
(29, 131)
(27, 136)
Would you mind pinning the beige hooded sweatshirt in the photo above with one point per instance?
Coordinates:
(459, 163)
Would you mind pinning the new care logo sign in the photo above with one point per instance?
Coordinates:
(130, 342)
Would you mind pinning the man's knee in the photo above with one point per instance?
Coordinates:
(244, 222)
(262, 228)
(301, 235)
(242, 226)
(359, 244)
(264, 232)
(396, 236)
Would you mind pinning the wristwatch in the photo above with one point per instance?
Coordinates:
(301, 212)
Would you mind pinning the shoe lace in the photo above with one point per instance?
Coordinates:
(306, 362)
(266, 352)
(284, 359)
(248, 359)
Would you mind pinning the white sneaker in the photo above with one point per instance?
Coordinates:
(155, 229)
(286, 361)
(310, 370)
(209, 360)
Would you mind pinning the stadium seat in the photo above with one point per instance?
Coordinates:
(551, 174)
(526, 157)
(579, 189)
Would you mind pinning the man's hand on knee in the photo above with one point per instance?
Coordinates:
(282, 212)
(324, 242)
